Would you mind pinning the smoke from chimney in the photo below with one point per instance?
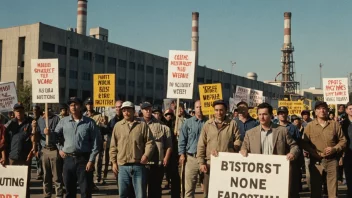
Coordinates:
(82, 17)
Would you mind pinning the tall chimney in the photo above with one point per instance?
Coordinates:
(82, 17)
(195, 34)
(287, 29)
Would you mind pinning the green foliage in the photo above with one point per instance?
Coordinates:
(24, 94)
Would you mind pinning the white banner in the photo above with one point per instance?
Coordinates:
(180, 79)
(252, 97)
(335, 90)
(232, 175)
(8, 96)
(232, 103)
(45, 80)
(13, 181)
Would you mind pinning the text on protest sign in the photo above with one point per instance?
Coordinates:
(8, 96)
(104, 90)
(235, 176)
(252, 97)
(180, 79)
(335, 90)
(13, 181)
(208, 94)
(294, 107)
(45, 80)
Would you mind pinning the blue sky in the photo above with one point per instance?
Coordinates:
(249, 32)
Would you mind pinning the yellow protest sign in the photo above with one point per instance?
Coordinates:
(253, 113)
(208, 94)
(294, 107)
(104, 90)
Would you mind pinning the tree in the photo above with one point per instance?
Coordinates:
(24, 94)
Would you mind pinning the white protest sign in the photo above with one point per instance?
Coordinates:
(232, 103)
(45, 80)
(232, 175)
(180, 79)
(8, 96)
(137, 108)
(252, 97)
(335, 90)
(13, 181)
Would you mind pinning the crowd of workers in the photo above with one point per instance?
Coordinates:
(144, 147)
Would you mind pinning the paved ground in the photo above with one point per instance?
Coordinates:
(110, 189)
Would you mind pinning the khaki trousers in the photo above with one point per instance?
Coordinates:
(191, 175)
(52, 166)
(330, 167)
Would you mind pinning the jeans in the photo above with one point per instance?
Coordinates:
(75, 171)
(132, 174)
(155, 178)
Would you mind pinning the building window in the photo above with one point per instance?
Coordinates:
(122, 63)
(85, 94)
(87, 56)
(208, 81)
(121, 82)
(227, 86)
(22, 63)
(111, 61)
(49, 47)
(149, 85)
(74, 52)
(121, 97)
(61, 50)
(159, 86)
(62, 72)
(200, 80)
(150, 69)
(131, 83)
(131, 98)
(132, 66)
(140, 84)
(86, 76)
(99, 58)
(73, 74)
(149, 99)
(139, 99)
(140, 67)
(72, 93)
(159, 71)
(62, 92)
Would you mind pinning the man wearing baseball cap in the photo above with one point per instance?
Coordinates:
(220, 134)
(132, 146)
(305, 117)
(244, 121)
(81, 140)
(161, 156)
(63, 111)
(21, 139)
(323, 139)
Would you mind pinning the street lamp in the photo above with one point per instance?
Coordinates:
(233, 63)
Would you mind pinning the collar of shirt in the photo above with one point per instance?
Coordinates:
(152, 120)
(326, 123)
(262, 129)
(248, 119)
(225, 122)
(134, 120)
(71, 118)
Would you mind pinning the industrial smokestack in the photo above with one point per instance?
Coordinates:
(287, 29)
(82, 17)
(195, 34)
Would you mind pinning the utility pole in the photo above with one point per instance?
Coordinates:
(321, 66)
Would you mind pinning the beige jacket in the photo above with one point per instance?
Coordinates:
(220, 140)
(129, 144)
(317, 138)
(283, 143)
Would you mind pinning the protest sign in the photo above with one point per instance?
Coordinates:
(252, 97)
(13, 181)
(232, 104)
(104, 90)
(232, 175)
(45, 80)
(208, 94)
(253, 113)
(335, 90)
(169, 104)
(180, 79)
(8, 96)
(294, 107)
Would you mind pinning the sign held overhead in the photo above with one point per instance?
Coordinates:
(104, 90)
(180, 79)
(208, 94)
(45, 80)
(8, 96)
(335, 90)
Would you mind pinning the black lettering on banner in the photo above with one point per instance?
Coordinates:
(9, 181)
(180, 91)
(268, 168)
(224, 166)
(260, 167)
(277, 168)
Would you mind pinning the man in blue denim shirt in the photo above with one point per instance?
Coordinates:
(244, 121)
(187, 148)
(51, 160)
(81, 145)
